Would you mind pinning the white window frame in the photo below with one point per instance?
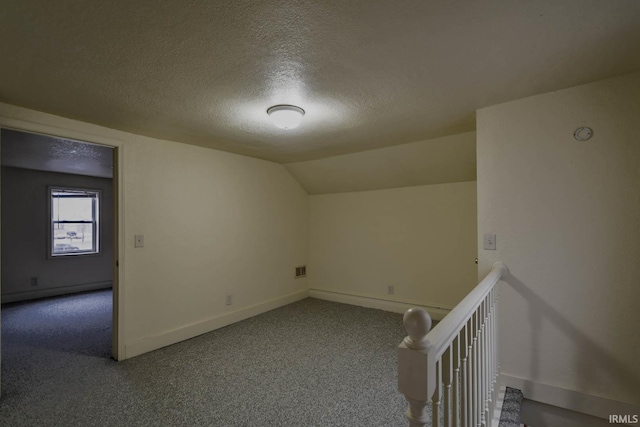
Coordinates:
(96, 196)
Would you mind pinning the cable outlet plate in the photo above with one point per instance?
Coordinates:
(490, 242)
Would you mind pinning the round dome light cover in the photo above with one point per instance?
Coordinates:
(286, 116)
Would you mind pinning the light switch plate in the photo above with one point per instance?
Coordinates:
(138, 241)
(490, 242)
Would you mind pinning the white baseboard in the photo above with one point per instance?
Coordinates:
(597, 406)
(52, 292)
(369, 301)
(173, 336)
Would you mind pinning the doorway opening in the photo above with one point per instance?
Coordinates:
(59, 238)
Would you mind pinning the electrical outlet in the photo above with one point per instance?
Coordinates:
(34, 281)
(229, 299)
(391, 289)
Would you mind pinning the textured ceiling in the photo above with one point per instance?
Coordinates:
(435, 161)
(46, 153)
(369, 73)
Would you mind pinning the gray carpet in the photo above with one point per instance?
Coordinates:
(511, 408)
(312, 363)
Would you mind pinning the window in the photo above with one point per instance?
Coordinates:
(74, 221)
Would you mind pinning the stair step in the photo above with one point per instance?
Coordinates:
(511, 407)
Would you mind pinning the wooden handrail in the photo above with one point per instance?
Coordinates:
(446, 330)
(457, 359)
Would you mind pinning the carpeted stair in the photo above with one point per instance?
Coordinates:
(511, 407)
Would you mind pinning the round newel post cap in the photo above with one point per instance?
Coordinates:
(500, 265)
(417, 323)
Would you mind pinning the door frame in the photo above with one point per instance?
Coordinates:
(20, 119)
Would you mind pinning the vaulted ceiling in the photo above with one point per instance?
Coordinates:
(369, 74)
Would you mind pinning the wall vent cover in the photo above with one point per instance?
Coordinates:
(301, 271)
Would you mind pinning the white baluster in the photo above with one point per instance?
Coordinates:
(485, 365)
(470, 373)
(457, 366)
(492, 346)
(492, 398)
(489, 351)
(480, 368)
(436, 406)
(473, 372)
(478, 346)
(476, 371)
(447, 375)
(492, 353)
(464, 348)
(496, 322)
(457, 407)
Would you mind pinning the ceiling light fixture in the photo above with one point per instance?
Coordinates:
(285, 116)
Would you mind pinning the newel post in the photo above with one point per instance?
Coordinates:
(414, 370)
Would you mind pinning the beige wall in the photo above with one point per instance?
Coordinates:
(419, 239)
(542, 415)
(214, 223)
(566, 214)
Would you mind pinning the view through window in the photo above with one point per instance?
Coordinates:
(74, 221)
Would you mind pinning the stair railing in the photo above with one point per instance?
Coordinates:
(454, 366)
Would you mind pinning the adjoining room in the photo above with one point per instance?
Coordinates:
(57, 243)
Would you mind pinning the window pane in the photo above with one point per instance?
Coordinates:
(68, 208)
(73, 238)
(74, 222)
